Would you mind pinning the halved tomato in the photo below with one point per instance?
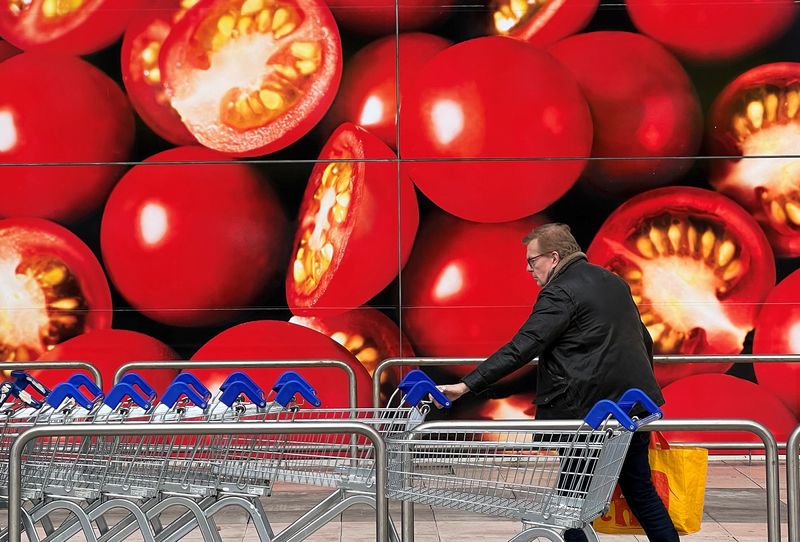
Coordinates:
(141, 49)
(540, 22)
(249, 77)
(67, 26)
(52, 288)
(698, 266)
(757, 118)
(345, 248)
(370, 336)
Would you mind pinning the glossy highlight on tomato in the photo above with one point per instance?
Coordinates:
(141, 49)
(492, 99)
(540, 23)
(275, 340)
(40, 122)
(698, 266)
(249, 77)
(368, 94)
(461, 301)
(712, 30)
(778, 333)
(345, 249)
(107, 350)
(636, 111)
(72, 27)
(756, 118)
(52, 288)
(188, 244)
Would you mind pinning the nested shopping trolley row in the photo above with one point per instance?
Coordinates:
(90, 453)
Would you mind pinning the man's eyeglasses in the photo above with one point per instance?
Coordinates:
(532, 260)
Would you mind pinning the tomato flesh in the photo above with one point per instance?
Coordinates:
(757, 116)
(345, 248)
(249, 77)
(52, 288)
(697, 265)
(541, 22)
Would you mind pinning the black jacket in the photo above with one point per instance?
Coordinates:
(585, 329)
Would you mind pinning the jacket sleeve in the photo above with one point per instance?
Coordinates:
(550, 317)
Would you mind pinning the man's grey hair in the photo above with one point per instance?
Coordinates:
(554, 237)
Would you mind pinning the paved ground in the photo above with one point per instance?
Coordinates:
(735, 510)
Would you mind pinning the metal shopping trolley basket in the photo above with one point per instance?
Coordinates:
(549, 479)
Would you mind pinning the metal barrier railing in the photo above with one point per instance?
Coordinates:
(249, 364)
(432, 362)
(793, 484)
(749, 426)
(262, 428)
(65, 365)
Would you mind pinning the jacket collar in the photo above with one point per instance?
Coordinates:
(564, 263)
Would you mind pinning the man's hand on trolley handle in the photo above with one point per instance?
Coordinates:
(451, 391)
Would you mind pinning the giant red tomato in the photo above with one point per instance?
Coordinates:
(778, 332)
(370, 336)
(273, 340)
(249, 78)
(712, 29)
(70, 27)
(379, 17)
(487, 99)
(141, 49)
(642, 103)
(346, 245)
(368, 93)
(698, 266)
(108, 350)
(757, 116)
(52, 288)
(540, 22)
(465, 288)
(59, 109)
(724, 396)
(188, 243)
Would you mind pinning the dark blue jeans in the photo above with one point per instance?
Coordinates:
(639, 492)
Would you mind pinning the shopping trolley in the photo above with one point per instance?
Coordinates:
(550, 480)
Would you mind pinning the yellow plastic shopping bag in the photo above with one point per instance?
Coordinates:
(679, 476)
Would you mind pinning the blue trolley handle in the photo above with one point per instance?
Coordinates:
(22, 380)
(289, 376)
(287, 390)
(122, 390)
(238, 387)
(64, 391)
(178, 389)
(136, 381)
(238, 376)
(621, 410)
(422, 390)
(412, 378)
(192, 381)
(80, 380)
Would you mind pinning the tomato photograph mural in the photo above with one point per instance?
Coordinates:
(349, 179)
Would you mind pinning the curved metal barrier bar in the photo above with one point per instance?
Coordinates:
(37, 365)
(749, 426)
(263, 428)
(248, 364)
(793, 484)
(431, 362)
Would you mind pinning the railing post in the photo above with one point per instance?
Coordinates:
(793, 484)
